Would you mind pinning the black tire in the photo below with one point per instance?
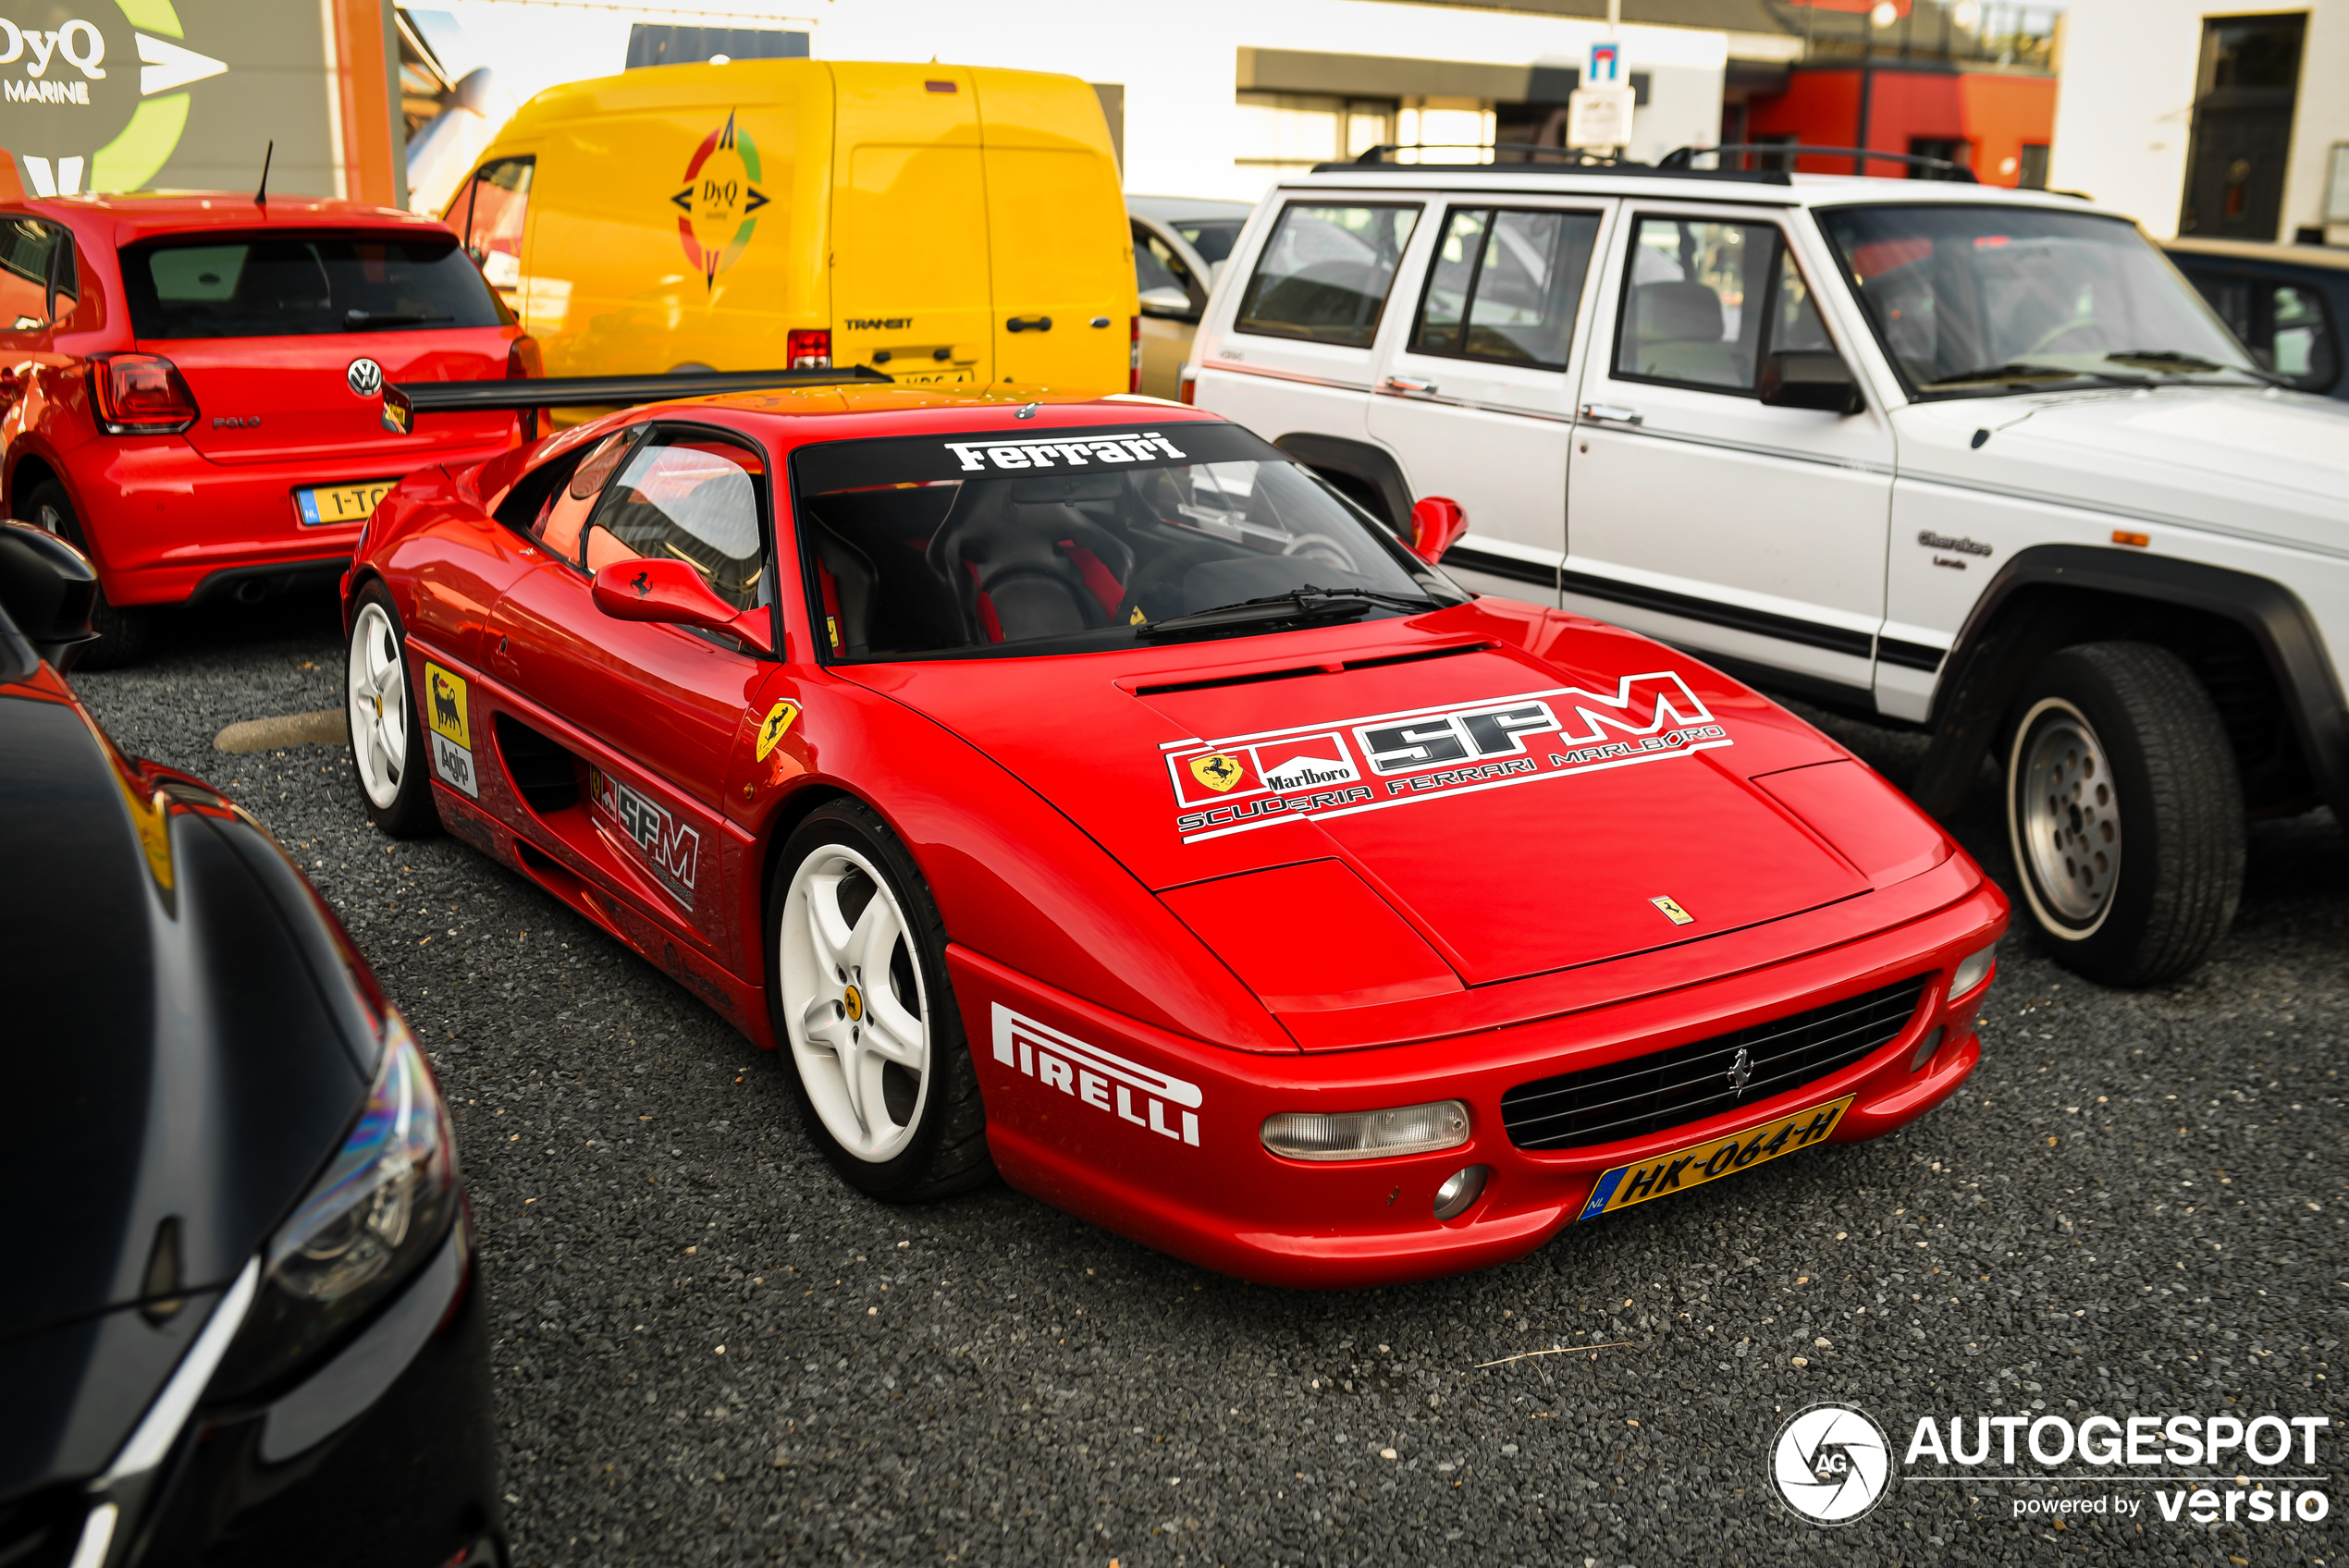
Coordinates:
(123, 633)
(2124, 812)
(944, 1138)
(409, 811)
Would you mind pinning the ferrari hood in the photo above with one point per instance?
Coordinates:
(2267, 463)
(1522, 813)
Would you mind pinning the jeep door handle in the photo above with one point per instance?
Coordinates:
(1028, 323)
(1612, 413)
(1410, 383)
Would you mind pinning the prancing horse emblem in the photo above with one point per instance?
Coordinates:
(642, 583)
(1741, 1072)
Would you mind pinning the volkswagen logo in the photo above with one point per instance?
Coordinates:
(1831, 1464)
(1740, 1072)
(366, 377)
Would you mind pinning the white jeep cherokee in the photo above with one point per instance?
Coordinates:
(1970, 459)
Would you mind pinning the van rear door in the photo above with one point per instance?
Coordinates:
(1058, 243)
(909, 225)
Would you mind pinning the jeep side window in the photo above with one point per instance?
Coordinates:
(1705, 303)
(1325, 272)
(1505, 286)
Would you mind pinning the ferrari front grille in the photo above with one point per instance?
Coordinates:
(1647, 1094)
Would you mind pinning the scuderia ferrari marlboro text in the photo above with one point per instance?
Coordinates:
(1379, 760)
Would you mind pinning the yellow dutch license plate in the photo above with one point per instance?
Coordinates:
(1711, 1161)
(930, 377)
(322, 505)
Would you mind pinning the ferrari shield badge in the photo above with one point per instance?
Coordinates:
(452, 755)
(1219, 770)
(770, 729)
(1672, 912)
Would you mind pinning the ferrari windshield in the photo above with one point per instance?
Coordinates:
(1079, 540)
(1977, 300)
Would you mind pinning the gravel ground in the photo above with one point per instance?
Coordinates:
(2135, 1208)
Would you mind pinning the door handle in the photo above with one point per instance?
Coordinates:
(1612, 413)
(1409, 384)
(1028, 323)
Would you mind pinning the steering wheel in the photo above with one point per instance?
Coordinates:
(2046, 345)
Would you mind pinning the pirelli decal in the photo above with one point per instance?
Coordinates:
(1152, 1101)
(1369, 764)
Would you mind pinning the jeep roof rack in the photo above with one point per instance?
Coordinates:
(404, 402)
(1529, 158)
(1683, 157)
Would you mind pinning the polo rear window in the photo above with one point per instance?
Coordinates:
(293, 286)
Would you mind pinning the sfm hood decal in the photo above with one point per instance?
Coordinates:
(1367, 763)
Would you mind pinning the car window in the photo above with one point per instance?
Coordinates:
(497, 206)
(1686, 299)
(1073, 541)
(30, 249)
(1505, 286)
(1325, 272)
(1211, 238)
(285, 288)
(1975, 300)
(1157, 267)
(689, 497)
(2286, 327)
(562, 517)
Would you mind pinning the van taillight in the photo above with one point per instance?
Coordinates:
(1134, 354)
(140, 395)
(525, 362)
(809, 350)
(1187, 386)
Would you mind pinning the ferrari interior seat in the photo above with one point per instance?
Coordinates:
(1018, 556)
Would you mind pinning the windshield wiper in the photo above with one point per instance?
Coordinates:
(362, 321)
(2192, 364)
(1307, 602)
(2015, 370)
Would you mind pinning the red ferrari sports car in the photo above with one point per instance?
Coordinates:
(1086, 792)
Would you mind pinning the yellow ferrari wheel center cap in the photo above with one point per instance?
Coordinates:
(855, 1002)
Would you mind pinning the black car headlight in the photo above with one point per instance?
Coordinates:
(378, 1212)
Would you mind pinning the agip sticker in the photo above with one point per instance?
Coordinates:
(448, 717)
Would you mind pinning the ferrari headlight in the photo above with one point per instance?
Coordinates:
(1973, 971)
(379, 1211)
(1367, 1134)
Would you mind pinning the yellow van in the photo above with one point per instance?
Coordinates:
(944, 224)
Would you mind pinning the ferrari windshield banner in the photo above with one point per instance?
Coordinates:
(1244, 783)
(1083, 452)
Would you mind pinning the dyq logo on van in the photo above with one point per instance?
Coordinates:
(715, 223)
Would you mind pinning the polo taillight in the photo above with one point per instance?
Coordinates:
(809, 349)
(140, 395)
(1134, 355)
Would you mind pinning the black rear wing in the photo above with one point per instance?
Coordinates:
(403, 404)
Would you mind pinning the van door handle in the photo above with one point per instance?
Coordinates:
(1028, 323)
(1612, 413)
(1409, 384)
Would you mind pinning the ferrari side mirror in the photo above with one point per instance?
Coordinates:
(1437, 526)
(673, 592)
(48, 589)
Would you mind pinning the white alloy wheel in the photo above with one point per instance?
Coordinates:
(2064, 819)
(853, 1003)
(377, 681)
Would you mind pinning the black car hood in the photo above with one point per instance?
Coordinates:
(186, 1044)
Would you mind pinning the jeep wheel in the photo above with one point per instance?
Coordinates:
(2124, 812)
(122, 633)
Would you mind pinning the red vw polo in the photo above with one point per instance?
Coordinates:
(191, 386)
(1087, 792)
